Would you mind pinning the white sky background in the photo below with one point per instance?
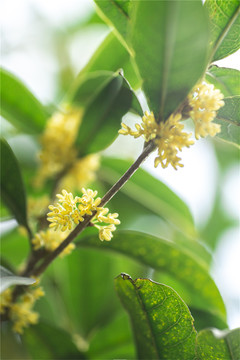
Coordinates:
(26, 51)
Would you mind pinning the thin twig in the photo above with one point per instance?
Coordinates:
(106, 198)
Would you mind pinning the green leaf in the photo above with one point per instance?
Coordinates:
(204, 319)
(8, 279)
(111, 56)
(229, 119)
(149, 192)
(85, 282)
(14, 240)
(12, 187)
(169, 39)
(224, 79)
(116, 14)
(86, 86)
(19, 106)
(44, 341)
(102, 117)
(224, 26)
(213, 344)
(114, 341)
(166, 256)
(161, 321)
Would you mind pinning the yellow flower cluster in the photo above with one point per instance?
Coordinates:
(50, 240)
(82, 173)
(205, 101)
(37, 205)
(21, 313)
(57, 144)
(70, 211)
(168, 137)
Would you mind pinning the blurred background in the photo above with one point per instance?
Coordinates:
(46, 44)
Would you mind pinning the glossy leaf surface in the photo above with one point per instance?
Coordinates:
(229, 119)
(224, 79)
(150, 193)
(116, 14)
(161, 321)
(102, 117)
(19, 106)
(8, 279)
(12, 187)
(166, 256)
(225, 27)
(169, 41)
(213, 344)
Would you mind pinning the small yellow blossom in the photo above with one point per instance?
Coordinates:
(37, 205)
(58, 144)
(70, 211)
(105, 232)
(20, 312)
(168, 136)
(5, 300)
(82, 173)
(205, 101)
(50, 240)
(148, 129)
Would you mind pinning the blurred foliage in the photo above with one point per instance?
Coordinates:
(163, 48)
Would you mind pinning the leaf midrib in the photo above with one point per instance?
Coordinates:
(224, 34)
(140, 301)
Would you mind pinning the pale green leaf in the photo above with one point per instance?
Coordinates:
(229, 119)
(224, 79)
(225, 27)
(19, 106)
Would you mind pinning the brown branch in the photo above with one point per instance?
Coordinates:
(106, 198)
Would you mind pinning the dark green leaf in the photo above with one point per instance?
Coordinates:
(87, 86)
(44, 341)
(224, 79)
(111, 56)
(116, 14)
(8, 279)
(225, 27)
(161, 321)
(12, 187)
(166, 256)
(213, 344)
(229, 119)
(149, 192)
(20, 106)
(204, 319)
(169, 39)
(102, 117)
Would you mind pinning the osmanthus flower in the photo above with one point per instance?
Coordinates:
(205, 100)
(70, 211)
(50, 240)
(168, 137)
(20, 312)
(82, 173)
(58, 143)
